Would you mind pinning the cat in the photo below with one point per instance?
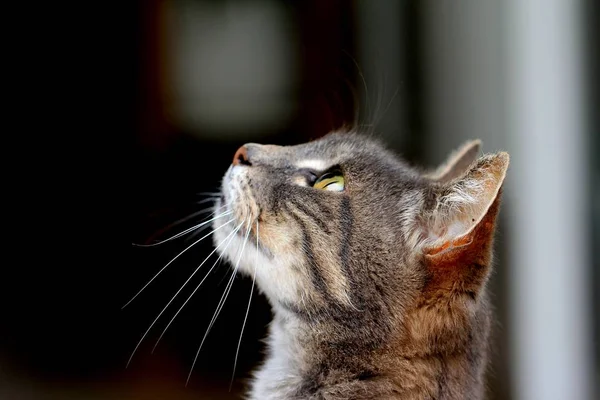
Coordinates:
(375, 270)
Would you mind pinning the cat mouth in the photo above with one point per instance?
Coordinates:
(241, 228)
(233, 196)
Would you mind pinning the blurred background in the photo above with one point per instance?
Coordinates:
(209, 76)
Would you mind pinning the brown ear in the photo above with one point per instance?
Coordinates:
(457, 163)
(460, 227)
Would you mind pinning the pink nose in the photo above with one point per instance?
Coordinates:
(241, 157)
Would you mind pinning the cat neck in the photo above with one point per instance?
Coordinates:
(301, 363)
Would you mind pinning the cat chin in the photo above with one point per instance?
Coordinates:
(278, 281)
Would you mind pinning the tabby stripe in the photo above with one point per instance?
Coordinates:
(311, 214)
(442, 379)
(347, 222)
(307, 244)
(323, 209)
(299, 312)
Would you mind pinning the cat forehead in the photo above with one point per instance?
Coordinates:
(340, 149)
(316, 164)
(320, 153)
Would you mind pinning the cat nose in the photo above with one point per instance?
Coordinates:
(241, 157)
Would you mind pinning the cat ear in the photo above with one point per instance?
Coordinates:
(458, 229)
(462, 213)
(457, 163)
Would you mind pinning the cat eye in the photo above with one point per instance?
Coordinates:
(332, 181)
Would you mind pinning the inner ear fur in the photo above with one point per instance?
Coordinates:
(461, 222)
(457, 163)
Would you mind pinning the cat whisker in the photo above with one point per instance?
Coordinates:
(195, 227)
(247, 310)
(221, 303)
(387, 107)
(170, 301)
(213, 209)
(227, 239)
(212, 194)
(162, 311)
(206, 200)
(175, 258)
(364, 84)
(197, 232)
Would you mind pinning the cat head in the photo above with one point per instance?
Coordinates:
(341, 226)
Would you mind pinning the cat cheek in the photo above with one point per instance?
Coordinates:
(278, 238)
(300, 181)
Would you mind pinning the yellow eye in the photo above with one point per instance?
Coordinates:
(333, 181)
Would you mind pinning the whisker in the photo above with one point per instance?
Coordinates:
(388, 106)
(213, 194)
(247, 310)
(221, 303)
(194, 234)
(194, 214)
(175, 258)
(206, 200)
(163, 310)
(184, 232)
(364, 84)
(170, 301)
(228, 239)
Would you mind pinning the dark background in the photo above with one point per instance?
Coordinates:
(64, 334)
